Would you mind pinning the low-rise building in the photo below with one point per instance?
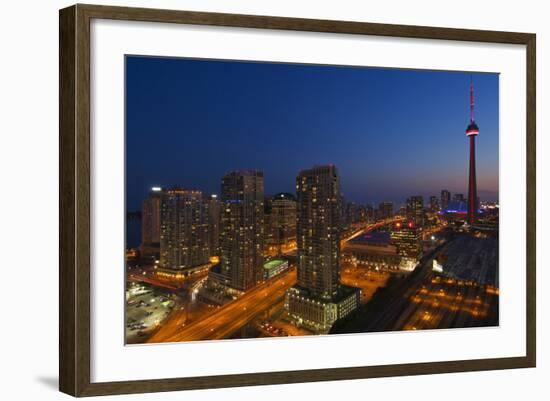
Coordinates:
(319, 314)
(275, 267)
(376, 251)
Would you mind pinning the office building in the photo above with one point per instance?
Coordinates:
(415, 210)
(408, 240)
(445, 199)
(434, 204)
(385, 210)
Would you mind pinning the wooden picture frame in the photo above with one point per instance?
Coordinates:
(74, 204)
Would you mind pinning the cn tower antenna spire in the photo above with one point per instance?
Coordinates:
(472, 131)
(472, 113)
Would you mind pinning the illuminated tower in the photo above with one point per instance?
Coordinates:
(318, 230)
(242, 229)
(319, 299)
(150, 225)
(184, 230)
(472, 131)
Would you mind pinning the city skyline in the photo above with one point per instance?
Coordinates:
(371, 103)
(254, 189)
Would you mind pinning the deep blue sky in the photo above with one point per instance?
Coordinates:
(391, 133)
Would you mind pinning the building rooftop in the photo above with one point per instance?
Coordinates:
(471, 258)
(379, 238)
(375, 242)
(272, 264)
(284, 195)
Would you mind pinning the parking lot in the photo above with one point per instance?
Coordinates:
(146, 308)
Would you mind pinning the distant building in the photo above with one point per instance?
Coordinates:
(415, 210)
(150, 225)
(318, 299)
(369, 215)
(434, 204)
(281, 222)
(214, 214)
(366, 214)
(408, 240)
(385, 210)
(459, 198)
(445, 199)
(242, 230)
(373, 251)
(457, 206)
(402, 212)
(185, 230)
(351, 213)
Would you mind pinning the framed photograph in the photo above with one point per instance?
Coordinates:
(250, 200)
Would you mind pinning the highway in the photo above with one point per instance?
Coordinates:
(227, 319)
(150, 276)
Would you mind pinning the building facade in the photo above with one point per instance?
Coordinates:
(281, 223)
(385, 210)
(434, 204)
(242, 229)
(185, 229)
(408, 240)
(274, 267)
(372, 251)
(318, 230)
(352, 213)
(214, 215)
(150, 225)
(415, 210)
(316, 300)
(445, 199)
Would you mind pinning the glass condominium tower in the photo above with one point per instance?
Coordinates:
(318, 299)
(242, 229)
(318, 230)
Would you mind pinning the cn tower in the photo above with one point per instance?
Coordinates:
(471, 132)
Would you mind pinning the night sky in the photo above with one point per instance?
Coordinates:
(391, 133)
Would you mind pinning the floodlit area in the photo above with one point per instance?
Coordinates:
(367, 280)
(446, 303)
(146, 309)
